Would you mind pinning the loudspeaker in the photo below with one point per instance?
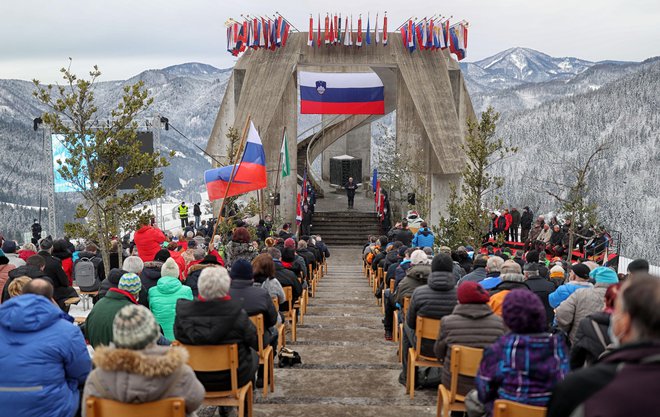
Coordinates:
(411, 198)
(276, 199)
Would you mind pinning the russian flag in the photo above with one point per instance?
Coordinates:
(341, 93)
(249, 175)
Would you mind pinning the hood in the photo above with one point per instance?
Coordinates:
(392, 256)
(205, 321)
(152, 362)
(510, 285)
(89, 255)
(29, 313)
(424, 232)
(419, 273)
(62, 255)
(154, 265)
(198, 267)
(115, 275)
(442, 280)
(168, 285)
(143, 230)
(473, 311)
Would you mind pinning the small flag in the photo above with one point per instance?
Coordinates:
(286, 168)
(310, 40)
(332, 33)
(374, 179)
(347, 35)
(318, 33)
(368, 38)
(376, 35)
(385, 30)
(359, 32)
(339, 34)
(325, 32)
(298, 210)
(335, 31)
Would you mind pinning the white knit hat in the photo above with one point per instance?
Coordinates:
(134, 327)
(170, 269)
(419, 257)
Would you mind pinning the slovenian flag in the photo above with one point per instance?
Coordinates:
(341, 93)
(249, 175)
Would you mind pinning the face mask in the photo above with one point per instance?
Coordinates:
(613, 337)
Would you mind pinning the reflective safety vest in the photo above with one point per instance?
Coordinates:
(183, 212)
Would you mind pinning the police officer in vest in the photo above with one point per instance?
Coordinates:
(183, 214)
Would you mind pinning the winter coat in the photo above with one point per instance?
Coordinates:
(44, 359)
(162, 302)
(405, 236)
(25, 270)
(193, 277)
(526, 219)
(423, 238)
(491, 281)
(254, 300)
(542, 288)
(535, 232)
(508, 219)
(98, 326)
(498, 293)
(515, 219)
(148, 240)
(4, 273)
(67, 263)
(391, 257)
(309, 257)
(25, 254)
(150, 274)
(478, 274)
(14, 259)
(274, 288)
(323, 248)
(579, 305)
(591, 340)
(472, 325)
(237, 250)
(287, 278)
(556, 238)
(564, 291)
(262, 232)
(350, 188)
(400, 272)
(112, 281)
(218, 322)
(523, 368)
(54, 270)
(544, 236)
(416, 276)
(434, 300)
(140, 376)
(619, 384)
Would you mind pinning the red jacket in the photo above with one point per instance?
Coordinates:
(180, 262)
(148, 240)
(67, 266)
(217, 256)
(25, 254)
(509, 219)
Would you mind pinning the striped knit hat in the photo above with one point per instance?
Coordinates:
(134, 327)
(130, 283)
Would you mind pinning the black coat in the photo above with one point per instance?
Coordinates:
(112, 281)
(404, 236)
(24, 270)
(287, 278)
(526, 219)
(350, 188)
(262, 232)
(150, 274)
(588, 346)
(218, 322)
(309, 257)
(54, 271)
(323, 248)
(255, 300)
(542, 288)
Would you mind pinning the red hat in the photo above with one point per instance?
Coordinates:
(290, 243)
(471, 292)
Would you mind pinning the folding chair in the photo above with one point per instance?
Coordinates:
(216, 358)
(505, 408)
(167, 407)
(426, 328)
(464, 361)
(266, 356)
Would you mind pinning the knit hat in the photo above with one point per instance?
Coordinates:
(442, 262)
(557, 272)
(134, 327)
(130, 283)
(9, 246)
(170, 268)
(604, 275)
(241, 269)
(581, 270)
(418, 257)
(288, 255)
(290, 243)
(470, 292)
(162, 255)
(523, 312)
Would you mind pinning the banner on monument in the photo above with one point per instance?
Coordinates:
(341, 93)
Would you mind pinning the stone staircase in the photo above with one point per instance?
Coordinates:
(345, 228)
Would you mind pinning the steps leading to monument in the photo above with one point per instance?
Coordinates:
(344, 228)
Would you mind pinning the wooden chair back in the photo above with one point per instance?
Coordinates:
(426, 328)
(258, 321)
(167, 407)
(288, 294)
(406, 305)
(392, 286)
(310, 272)
(464, 361)
(276, 303)
(504, 408)
(215, 358)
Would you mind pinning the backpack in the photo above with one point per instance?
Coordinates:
(371, 255)
(84, 272)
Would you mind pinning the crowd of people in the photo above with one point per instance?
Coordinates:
(575, 337)
(190, 288)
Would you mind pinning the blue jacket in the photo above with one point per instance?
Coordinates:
(44, 359)
(423, 238)
(564, 291)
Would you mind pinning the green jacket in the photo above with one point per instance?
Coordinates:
(98, 326)
(162, 302)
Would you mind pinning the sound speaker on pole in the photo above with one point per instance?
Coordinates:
(411, 198)
(276, 199)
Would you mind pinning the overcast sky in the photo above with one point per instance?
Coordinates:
(125, 37)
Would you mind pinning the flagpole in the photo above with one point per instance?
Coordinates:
(279, 170)
(233, 171)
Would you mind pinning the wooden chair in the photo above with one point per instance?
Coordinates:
(426, 328)
(399, 327)
(216, 358)
(377, 281)
(291, 314)
(505, 408)
(167, 407)
(464, 361)
(281, 328)
(266, 356)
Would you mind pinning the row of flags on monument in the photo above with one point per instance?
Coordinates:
(428, 34)
(257, 33)
(337, 30)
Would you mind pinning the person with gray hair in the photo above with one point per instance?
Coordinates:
(493, 266)
(512, 278)
(133, 264)
(308, 256)
(215, 318)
